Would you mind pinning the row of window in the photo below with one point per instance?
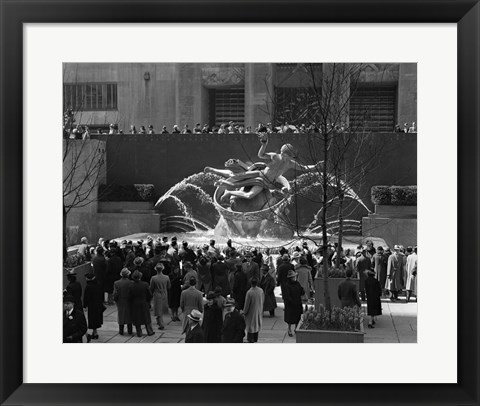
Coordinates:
(371, 107)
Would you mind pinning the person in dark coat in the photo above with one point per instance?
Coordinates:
(99, 265)
(143, 267)
(282, 271)
(74, 288)
(292, 298)
(212, 320)
(140, 297)
(233, 329)
(250, 268)
(113, 268)
(374, 292)
(347, 291)
(240, 287)
(175, 291)
(267, 283)
(379, 262)
(204, 273)
(74, 323)
(93, 302)
(362, 265)
(220, 275)
(195, 333)
(121, 295)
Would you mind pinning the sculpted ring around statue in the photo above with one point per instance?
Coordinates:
(243, 182)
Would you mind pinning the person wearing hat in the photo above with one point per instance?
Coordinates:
(141, 266)
(212, 319)
(195, 333)
(395, 268)
(204, 274)
(362, 265)
(347, 291)
(74, 323)
(190, 299)
(379, 264)
(374, 293)
(83, 248)
(159, 286)
(121, 296)
(93, 301)
(186, 254)
(113, 268)
(140, 297)
(253, 311)
(304, 277)
(411, 271)
(250, 268)
(164, 130)
(150, 129)
(308, 255)
(292, 298)
(233, 329)
(267, 284)
(99, 266)
(74, 288)
(282, 271)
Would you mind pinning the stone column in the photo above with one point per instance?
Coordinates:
(407, 94)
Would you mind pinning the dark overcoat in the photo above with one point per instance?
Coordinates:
(74, 288)
(268, 285)
(220, 277)
(175, 290)
(99, 266)
(282, 271)
(75, 327)
(212, 323)
(140, 297)
(374, 292)
(380, 267)
(121, 295)
(195, 336)
(240, 288)
(93, 301)
(362, 264)
(347, 293)
(233, 329)
(292, 293)
(113, 268)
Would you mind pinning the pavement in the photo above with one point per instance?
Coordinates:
(397, 324)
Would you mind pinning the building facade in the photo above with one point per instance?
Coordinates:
(161, 94)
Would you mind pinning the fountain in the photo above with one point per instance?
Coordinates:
(234, 211)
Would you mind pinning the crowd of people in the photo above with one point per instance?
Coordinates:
(221, 294)
(84, 132)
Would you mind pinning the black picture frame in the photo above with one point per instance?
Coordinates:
(465, 13)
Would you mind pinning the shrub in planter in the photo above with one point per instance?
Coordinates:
(404, 195)
(74, 260)
(127, 193)
(381, 195)
(338, 319)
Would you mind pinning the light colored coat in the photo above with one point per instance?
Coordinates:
(304, 278)
(411, 267)
(190, 299)
(159, 285)
(253, 309)
(395, 272)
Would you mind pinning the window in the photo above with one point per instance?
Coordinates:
(372, 107)
(296, 105)
(227, 105)
(90, 96)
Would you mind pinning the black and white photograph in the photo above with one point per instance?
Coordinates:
(240, 202)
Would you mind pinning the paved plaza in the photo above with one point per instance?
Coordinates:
(398, 324)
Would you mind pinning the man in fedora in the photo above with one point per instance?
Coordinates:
(194, 332)
(395, 268)
(74, 322)
(121, 295)
(233, 329)
(190, 299)
(250, 268)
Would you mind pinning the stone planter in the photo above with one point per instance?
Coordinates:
(125, 207)
(333, 289)
(392, 211)
(328, 336)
